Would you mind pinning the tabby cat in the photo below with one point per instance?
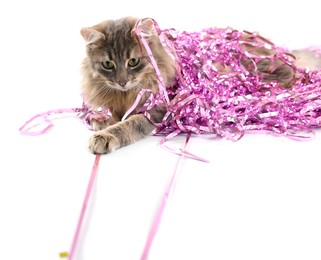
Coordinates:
(117, 68)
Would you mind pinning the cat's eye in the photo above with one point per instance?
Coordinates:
(108, 65)
(133, 62)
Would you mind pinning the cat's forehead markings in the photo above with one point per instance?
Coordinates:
(109, 55)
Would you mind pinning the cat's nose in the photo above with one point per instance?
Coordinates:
(122, 83)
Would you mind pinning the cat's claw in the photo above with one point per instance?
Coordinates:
(102, 142)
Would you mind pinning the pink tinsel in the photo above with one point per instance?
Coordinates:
(228, 104)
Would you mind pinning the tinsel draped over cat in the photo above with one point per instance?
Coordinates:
(217, 93)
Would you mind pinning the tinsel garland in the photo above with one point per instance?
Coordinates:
(234, 101)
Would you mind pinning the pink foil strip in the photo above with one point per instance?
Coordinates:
(180, 151)
(24, 128)
(84, 207)
(140, 34)
(135, 104)
(85, 114)
(161, 209)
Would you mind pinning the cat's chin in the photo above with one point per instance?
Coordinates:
(125, 88)
(122, 89)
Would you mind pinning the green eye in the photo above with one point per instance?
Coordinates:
(108, 65)
(133, 62)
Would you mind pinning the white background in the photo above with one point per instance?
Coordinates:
(258, 198)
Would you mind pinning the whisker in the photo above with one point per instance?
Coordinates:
(103, 92)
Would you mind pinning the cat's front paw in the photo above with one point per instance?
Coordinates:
(103, 142)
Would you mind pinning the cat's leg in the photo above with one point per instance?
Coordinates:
(121, 134)
(125, 132)
(310, 59)
(271, 70)
(100, 124)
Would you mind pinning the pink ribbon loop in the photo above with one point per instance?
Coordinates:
(84, 113)
(24, 130)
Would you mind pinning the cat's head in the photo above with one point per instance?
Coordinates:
(115, 59)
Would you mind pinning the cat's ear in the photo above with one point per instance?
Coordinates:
(91, 35)
(148, 27)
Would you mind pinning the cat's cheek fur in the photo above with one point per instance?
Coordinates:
(103, 142)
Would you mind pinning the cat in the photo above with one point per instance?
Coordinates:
(114, 72)
(117, 67)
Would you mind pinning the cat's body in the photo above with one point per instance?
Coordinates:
(117, 67)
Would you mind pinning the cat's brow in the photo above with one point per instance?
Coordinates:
(109, 55)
